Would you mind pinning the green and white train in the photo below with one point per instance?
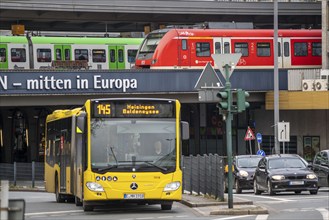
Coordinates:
(20, 52)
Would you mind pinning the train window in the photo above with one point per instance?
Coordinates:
(81, 54)
(184, 44)
(316, 49)
(3, 55)
(67, 54)
(263, 49)
(202, 49)
(18, 55)
(279, 49)
(217, 48)
(112, 55)
(132, 56)
(99, 56)
(226, 47)
(241, 48)
(120, 56)
(43, 55)
(58, 54)
(300, 49)
(286, 51)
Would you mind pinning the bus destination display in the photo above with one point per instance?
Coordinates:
(110, 109)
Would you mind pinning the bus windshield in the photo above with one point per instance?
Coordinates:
(133, 144)
(151, 42)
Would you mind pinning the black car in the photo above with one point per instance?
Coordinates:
(243, 172)
(285, 172)
(320, 167)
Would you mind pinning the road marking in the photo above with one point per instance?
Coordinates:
(267, 197)
(233, 217)
(261, 217)
(324, 212)
(52, 213)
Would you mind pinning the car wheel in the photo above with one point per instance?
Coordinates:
(166, 206)
(256, 190)
(298, 192)
(313, 192)
(238, 189)
(269, 188)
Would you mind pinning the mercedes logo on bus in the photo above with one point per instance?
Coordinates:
(133, 186)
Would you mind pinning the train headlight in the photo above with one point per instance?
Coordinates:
(94, 187)
(172, 186)
(154, 61)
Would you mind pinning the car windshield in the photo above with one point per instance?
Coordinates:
(139, 144)
(248, 162)
(279, 163)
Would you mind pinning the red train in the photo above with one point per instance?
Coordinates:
(192, 48)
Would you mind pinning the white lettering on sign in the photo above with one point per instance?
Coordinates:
(3, 83)
(123, 84)
(48, 83)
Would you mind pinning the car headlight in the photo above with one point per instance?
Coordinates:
(171, 186)
(278, 177)
(311, 176)
(243, 173)
(94, 187)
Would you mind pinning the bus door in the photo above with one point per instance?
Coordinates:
(62, 52)
(116, 57)
(62, 161)
(184, 54)
(3, 56)
(285, 52)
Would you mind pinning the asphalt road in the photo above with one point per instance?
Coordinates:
(41, 205)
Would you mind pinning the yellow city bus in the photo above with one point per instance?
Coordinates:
(103, 152)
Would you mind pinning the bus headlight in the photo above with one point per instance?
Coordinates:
(171, 186)
(94, 187)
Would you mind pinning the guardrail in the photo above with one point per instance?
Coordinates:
(204, 175)
(22, 172)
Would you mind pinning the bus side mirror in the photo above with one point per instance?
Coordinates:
(80, 126)
(185, 130)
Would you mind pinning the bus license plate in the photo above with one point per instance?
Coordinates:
(296, 182)
(133, 196)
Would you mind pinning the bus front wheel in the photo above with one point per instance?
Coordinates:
(166, 206)
(87, 208)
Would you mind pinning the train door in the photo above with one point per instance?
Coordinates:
(222, 45)
(62, 52)
(3, 56)
(184, 54)
(116, 57)
(285, 53)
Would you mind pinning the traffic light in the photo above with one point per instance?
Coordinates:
(241, 100)
(223, 104)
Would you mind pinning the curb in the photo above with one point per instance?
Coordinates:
(204, 204)
(257, 210)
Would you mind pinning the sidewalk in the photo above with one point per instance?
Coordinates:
(205, 205)
(210, 206)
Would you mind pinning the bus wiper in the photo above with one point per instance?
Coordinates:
(107, 168)
(157, 166)
(115, 158)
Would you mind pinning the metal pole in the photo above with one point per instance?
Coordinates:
(15, 173)
(276, 78)
(229, 137)
(4, 199)
(33, 173)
